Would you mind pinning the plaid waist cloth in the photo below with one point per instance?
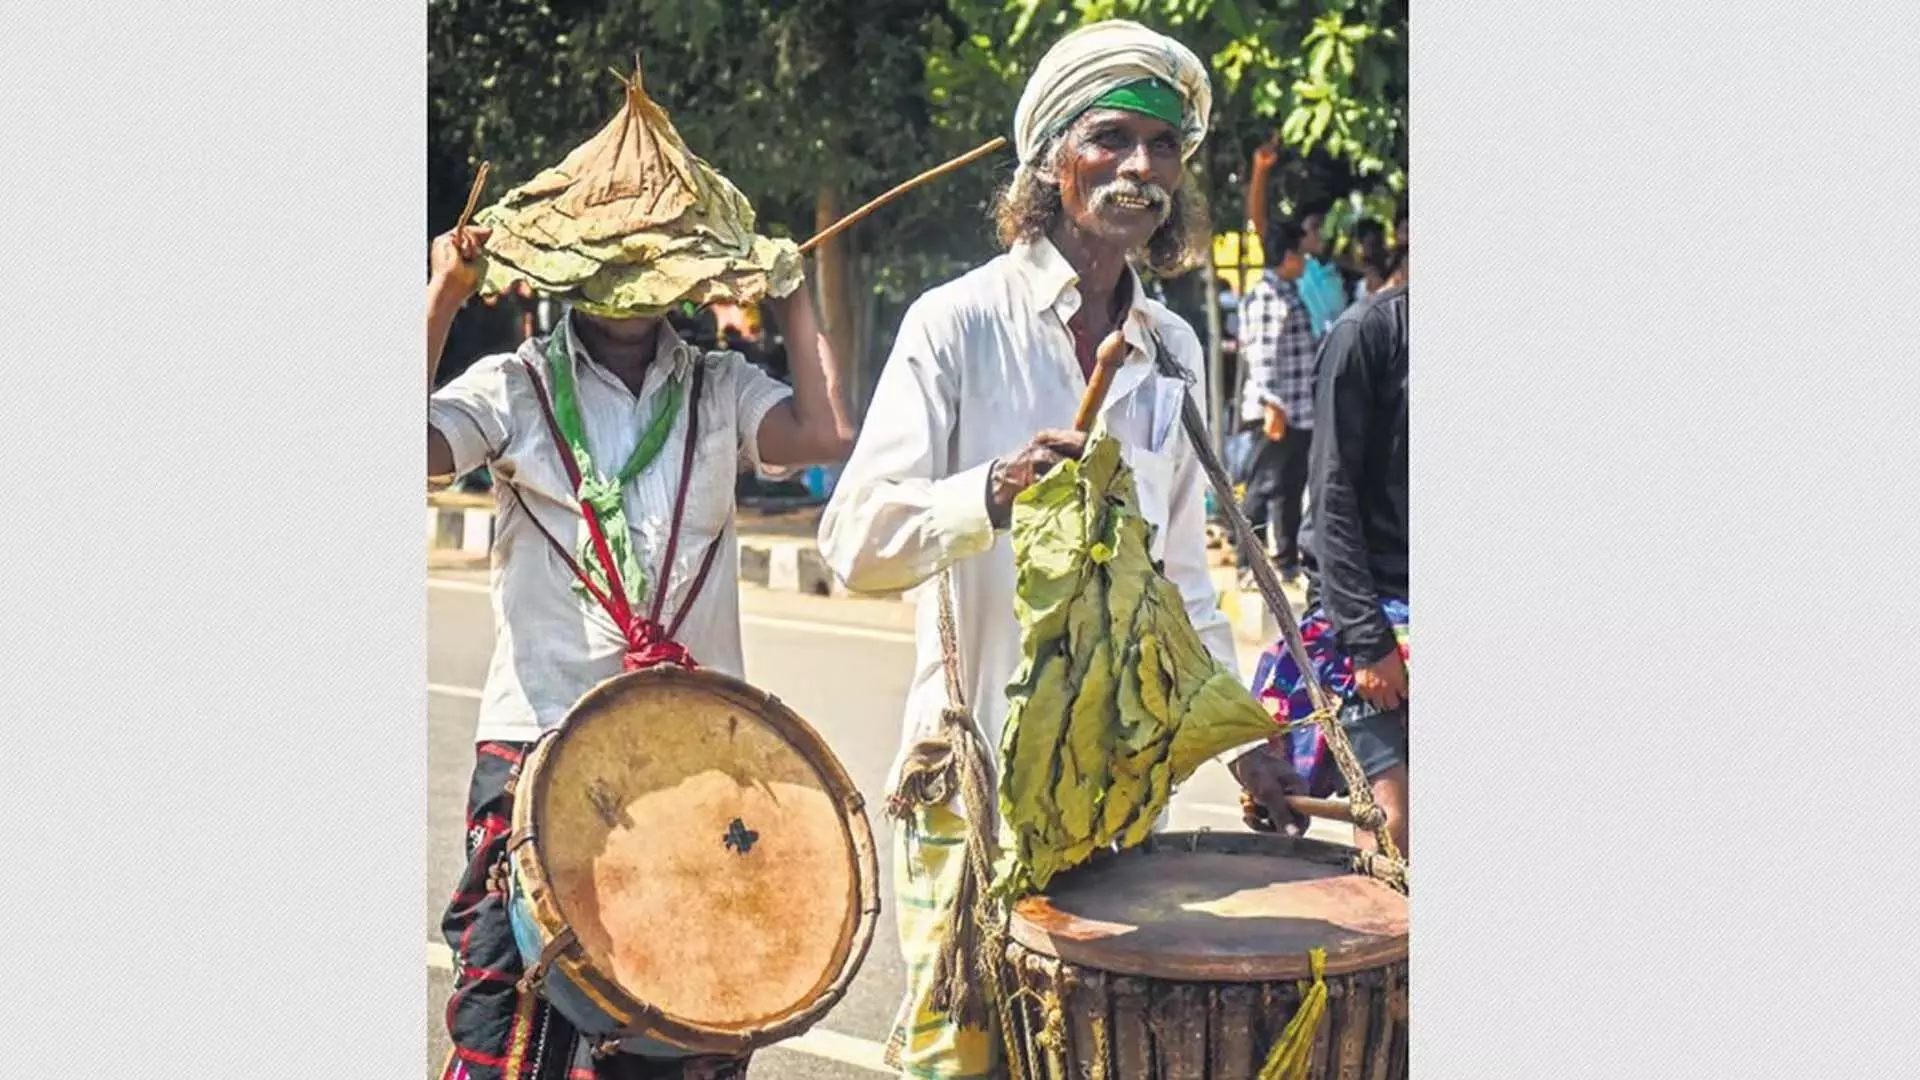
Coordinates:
(499, 1033)
(1277, 682)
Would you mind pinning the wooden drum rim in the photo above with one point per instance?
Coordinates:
(646, 1019)
(1038, 926)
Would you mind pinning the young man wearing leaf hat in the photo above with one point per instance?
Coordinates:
(986, 373)
(613, 395)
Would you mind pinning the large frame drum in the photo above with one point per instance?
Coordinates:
(1186, 957)
(691, 870)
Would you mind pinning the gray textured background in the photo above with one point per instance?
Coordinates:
(1665, 512)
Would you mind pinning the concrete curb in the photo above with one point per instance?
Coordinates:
(464, 524)
(790, 565)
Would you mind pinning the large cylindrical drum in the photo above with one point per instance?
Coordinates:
(1187, 957)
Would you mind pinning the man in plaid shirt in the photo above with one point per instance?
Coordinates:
(1276, 338)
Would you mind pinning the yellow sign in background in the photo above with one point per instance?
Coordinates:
(1238, 258)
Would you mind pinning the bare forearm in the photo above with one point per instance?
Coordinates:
(818, 404)
(1257, 197)
(454, 257)
(443, 303)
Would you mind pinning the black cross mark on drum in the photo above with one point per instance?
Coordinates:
(739, 837)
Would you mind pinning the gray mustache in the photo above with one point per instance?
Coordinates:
(1157, 197)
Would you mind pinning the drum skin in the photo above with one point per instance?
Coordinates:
(694, 863)
(1187, 956)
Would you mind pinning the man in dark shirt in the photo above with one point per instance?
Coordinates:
(1355, 540)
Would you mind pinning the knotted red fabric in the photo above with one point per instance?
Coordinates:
(649, 646)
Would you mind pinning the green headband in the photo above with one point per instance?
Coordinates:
(1148, 97)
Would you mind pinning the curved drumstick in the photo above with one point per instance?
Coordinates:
(1106, 360)
(848, 222)
(473, 197)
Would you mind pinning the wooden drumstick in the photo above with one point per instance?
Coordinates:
(1106, 361)
(937, 171)
(1308, 806)
(473, 197)
(1331, 809)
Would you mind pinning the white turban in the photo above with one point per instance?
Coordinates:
(1087, 64)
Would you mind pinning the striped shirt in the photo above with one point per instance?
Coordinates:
(1277, 342)
(550, 645)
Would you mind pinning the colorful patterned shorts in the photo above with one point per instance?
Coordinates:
(1277, 682)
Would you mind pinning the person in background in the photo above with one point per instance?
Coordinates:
(1279, 348)
(1370, 252)
(1397, 259)
(1356, 627)
(1322, 288)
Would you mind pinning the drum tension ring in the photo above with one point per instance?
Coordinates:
(739, 837)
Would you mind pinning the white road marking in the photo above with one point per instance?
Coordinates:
(453, 691)
(820, 1043)
(845, 1049)
(775, 622)
(812, 626)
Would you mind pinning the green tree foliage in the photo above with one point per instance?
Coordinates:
(813, 107)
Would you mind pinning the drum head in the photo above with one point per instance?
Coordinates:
(1216, 907)
(708, 851)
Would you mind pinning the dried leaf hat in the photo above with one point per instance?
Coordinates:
(632, 224)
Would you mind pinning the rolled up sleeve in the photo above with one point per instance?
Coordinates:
(472, 414)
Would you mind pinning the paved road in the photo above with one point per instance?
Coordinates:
(864, 651)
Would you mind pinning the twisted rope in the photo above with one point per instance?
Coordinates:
(1326, 706)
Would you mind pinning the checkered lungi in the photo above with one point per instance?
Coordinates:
(499, 1033)
(929, 859)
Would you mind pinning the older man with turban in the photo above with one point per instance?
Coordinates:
(975, 404)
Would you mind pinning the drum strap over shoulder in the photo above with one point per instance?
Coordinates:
(648, 643)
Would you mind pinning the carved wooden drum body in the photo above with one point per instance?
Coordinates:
(1185, 958)
(691, 870)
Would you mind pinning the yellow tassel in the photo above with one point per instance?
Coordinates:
(521, 1031)
(1294, 1052)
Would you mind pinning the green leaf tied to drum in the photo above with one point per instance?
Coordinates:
(632, 224)
(1116, 699)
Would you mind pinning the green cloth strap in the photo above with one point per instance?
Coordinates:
(600, 492)
(1148, 97)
